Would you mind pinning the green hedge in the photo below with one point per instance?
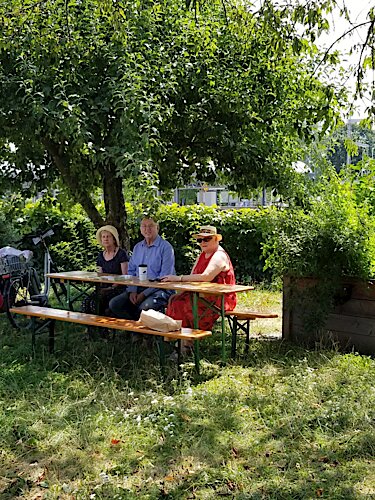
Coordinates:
(333, 236)
(74, 246)
(243, 233)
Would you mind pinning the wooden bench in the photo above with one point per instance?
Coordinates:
(240, 320)
(50, 316)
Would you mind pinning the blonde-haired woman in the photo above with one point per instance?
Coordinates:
(111, 260)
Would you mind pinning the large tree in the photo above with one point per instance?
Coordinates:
(94, 91)
(349, 145)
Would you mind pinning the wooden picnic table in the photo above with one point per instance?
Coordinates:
(196, 288)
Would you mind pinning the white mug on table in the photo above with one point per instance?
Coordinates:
(142, 272)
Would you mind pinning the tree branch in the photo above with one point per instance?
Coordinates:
(336, 41)
(81, 196)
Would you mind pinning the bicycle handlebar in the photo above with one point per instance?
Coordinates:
(42, 237)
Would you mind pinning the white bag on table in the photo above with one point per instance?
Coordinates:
(159, 321)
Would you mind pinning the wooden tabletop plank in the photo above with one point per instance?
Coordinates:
(185, 286)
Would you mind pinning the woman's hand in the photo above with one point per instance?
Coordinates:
(170, 277)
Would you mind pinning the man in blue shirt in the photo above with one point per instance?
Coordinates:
(158, 255)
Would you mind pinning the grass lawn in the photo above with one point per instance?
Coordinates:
(97, 421)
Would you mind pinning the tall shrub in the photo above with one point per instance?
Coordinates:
(333, 238)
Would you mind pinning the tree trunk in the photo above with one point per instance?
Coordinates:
(112, 188)
(115, 204)
(70, 180)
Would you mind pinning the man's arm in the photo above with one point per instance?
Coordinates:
(167, 264)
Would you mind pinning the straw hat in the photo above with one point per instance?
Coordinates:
(111, 230)
(208, 231)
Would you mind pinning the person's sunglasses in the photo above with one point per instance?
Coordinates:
(205, 239)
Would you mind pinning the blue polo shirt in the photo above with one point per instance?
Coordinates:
(159, 258)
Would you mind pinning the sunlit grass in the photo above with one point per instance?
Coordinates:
(263, 300)
(98, 421)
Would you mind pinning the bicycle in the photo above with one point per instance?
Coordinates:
(59, 289)
(21, 284)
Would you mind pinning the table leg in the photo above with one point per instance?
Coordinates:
(234, 327)
(247, 330)
(68, 295)
(97, 295)
(196, 355)
(179, 346)
(161, 349)
(51, 336)
(195, 310)
(33, 333)
(196, 326)
(223, 354)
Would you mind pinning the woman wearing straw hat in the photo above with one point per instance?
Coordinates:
(214, 265)
(112, 260)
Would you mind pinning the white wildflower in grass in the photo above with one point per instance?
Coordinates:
(189, 392)
(104, 477)
(154, 402)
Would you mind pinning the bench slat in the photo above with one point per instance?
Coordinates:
(104, 322)
(241, 314)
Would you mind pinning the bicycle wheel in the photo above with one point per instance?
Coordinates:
(19, 291)
(60, 293)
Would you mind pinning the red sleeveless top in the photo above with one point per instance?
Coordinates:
(226, 277)
(179, 306)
